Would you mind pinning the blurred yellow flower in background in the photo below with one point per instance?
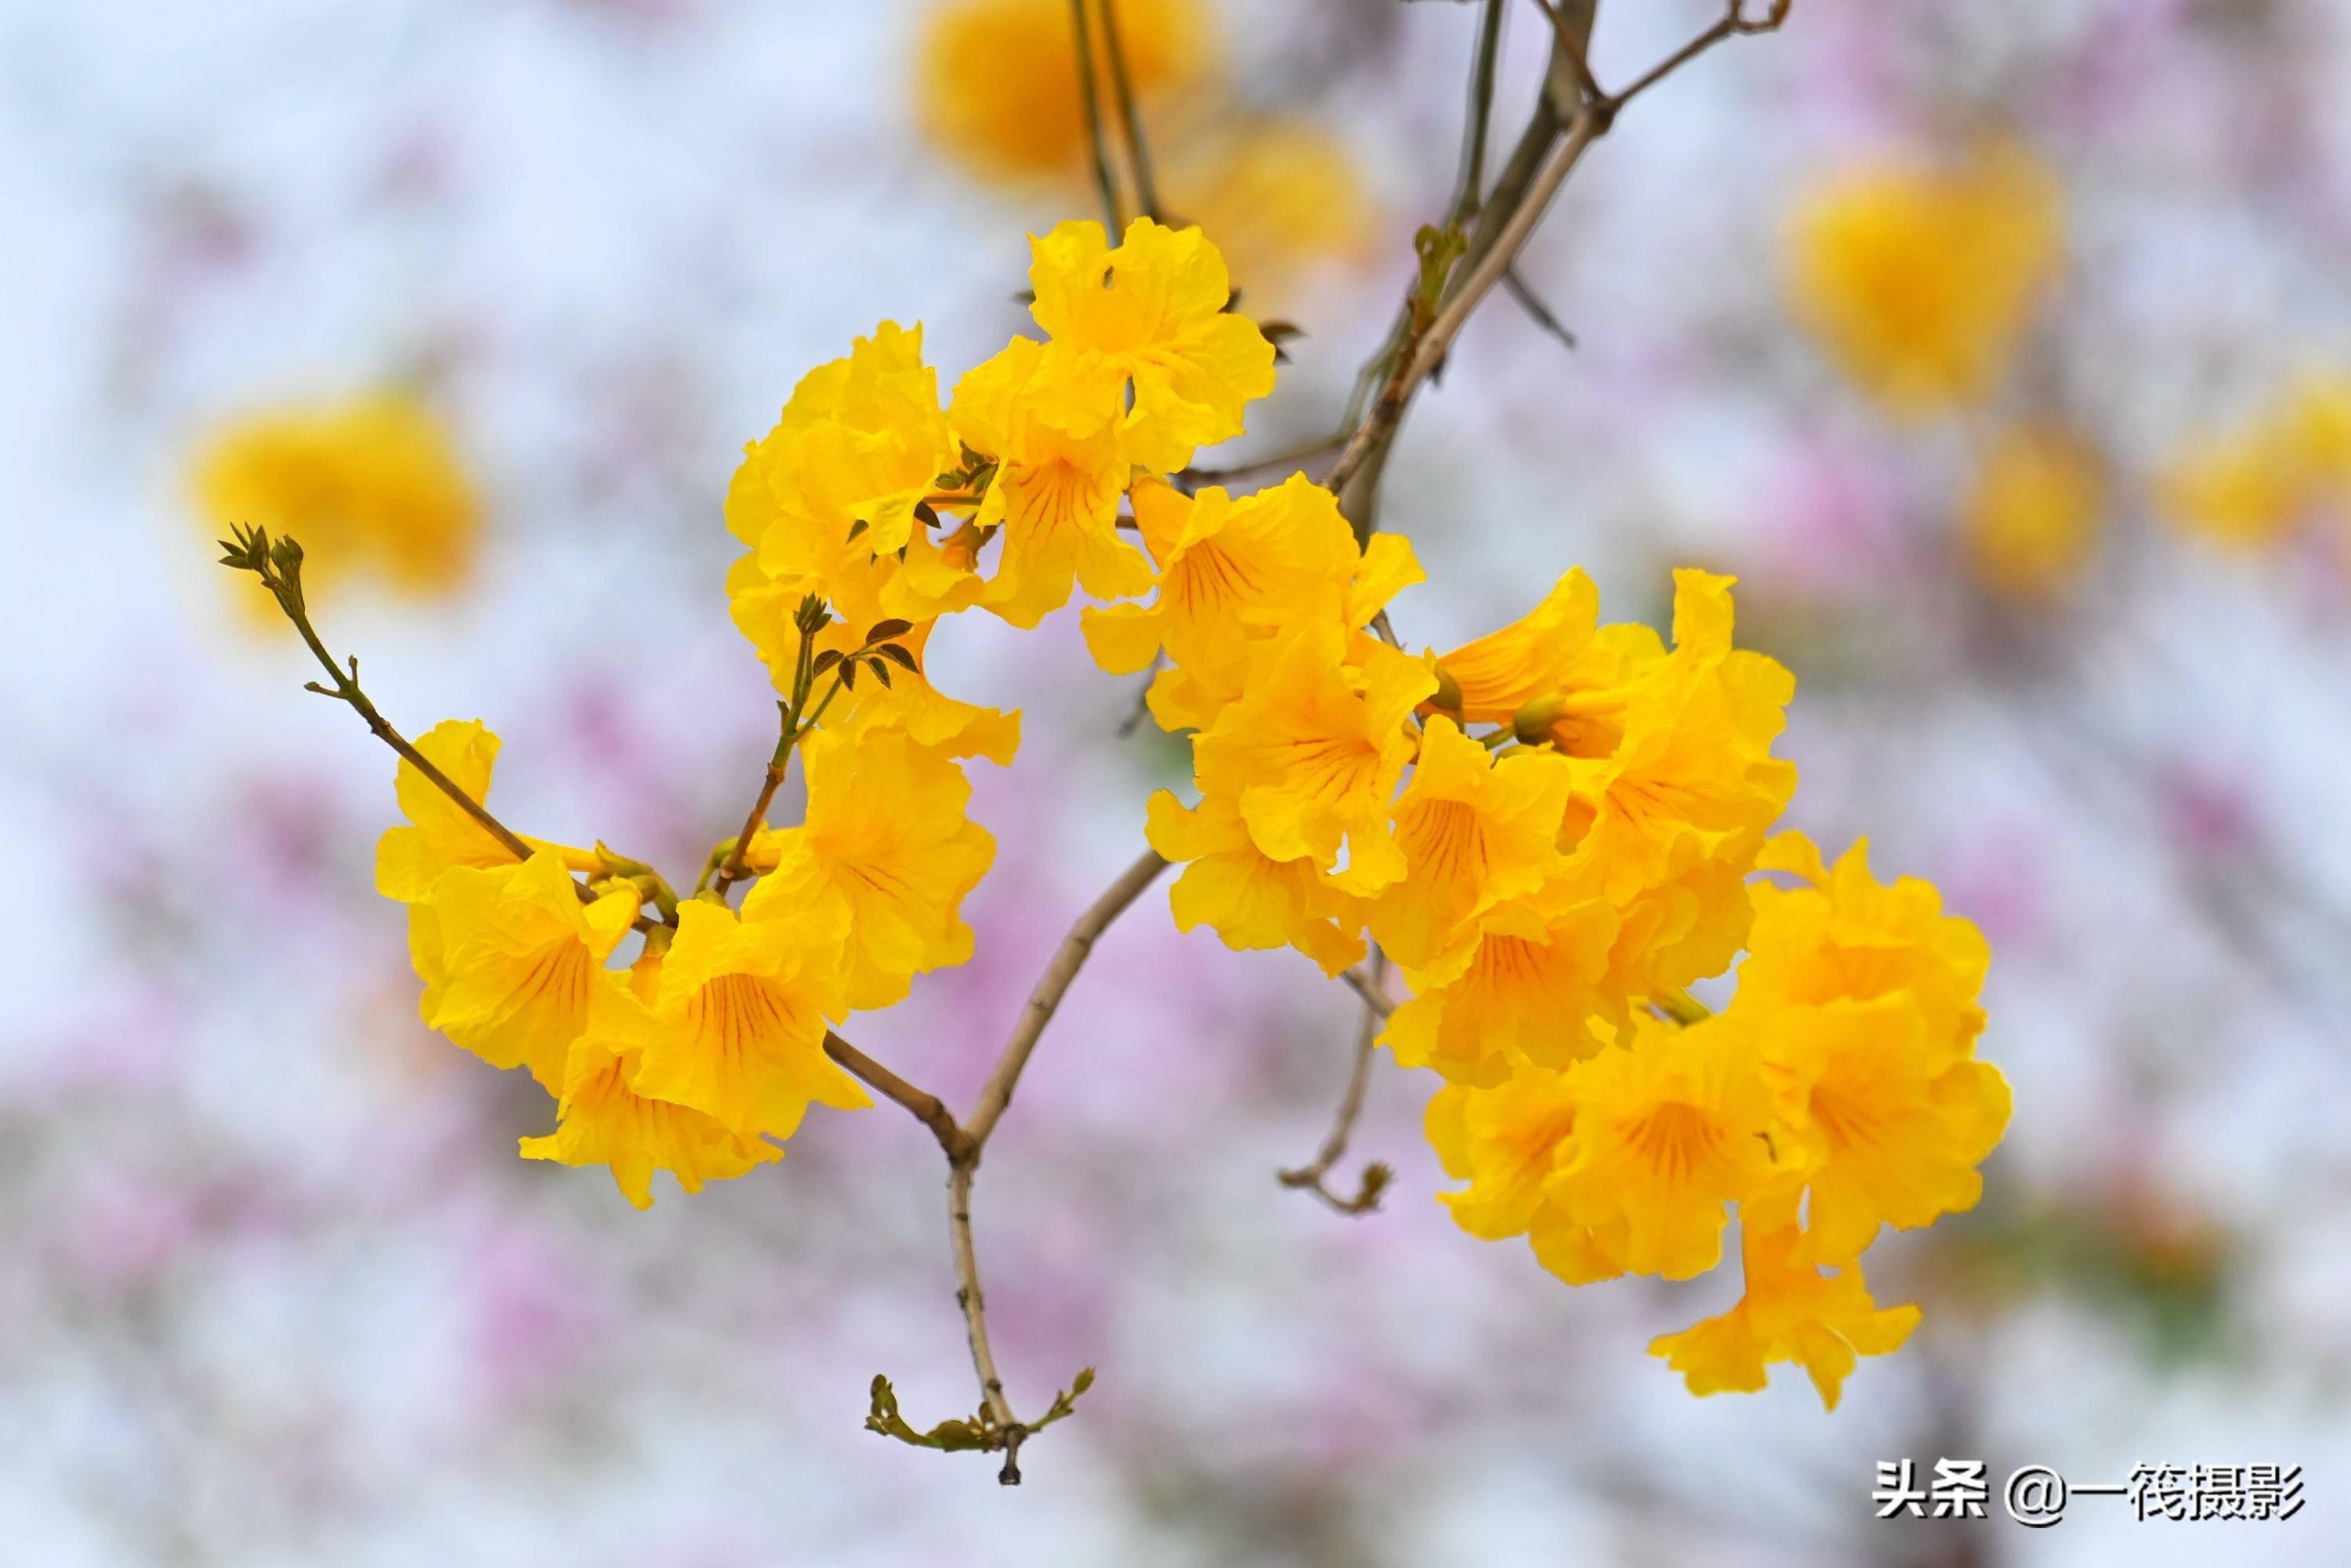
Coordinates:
(2029, 523)
(2248, 486)
(999, 78)
(1281, 197)
(1921, 281)
(373, 488)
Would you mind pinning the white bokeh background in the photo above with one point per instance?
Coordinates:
(273, 1287)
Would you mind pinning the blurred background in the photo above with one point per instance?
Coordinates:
(2002, 350)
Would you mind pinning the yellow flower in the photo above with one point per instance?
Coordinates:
(1230, 573)
(885, 845)
(1534, 656)
(763, 606)
(999, 78)
(440, 833)
(1281, 197)
(1525, 991)
(513, 961)
(830, 493)
(606, 1122)
(1146, 320)
(1847, 938)
(1314, 750)
(1678, 809)
(1791, 1312)
(1506, 1140)
(1476, 834)
(371, 487)
(1055, 492)
(1250, 900)
(1922, 282)
(2030, 521)
(739, 1016)
(2248, 487)
(1886, 1127)
(1669, 1128)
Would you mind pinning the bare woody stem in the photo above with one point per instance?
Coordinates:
(1051, 986)
(1138, 152)
(282, 577)
(1376, 1176)
(964, 1143)
(1090, 97)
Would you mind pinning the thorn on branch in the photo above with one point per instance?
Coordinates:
(1541, 314)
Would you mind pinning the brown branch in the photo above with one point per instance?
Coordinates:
(1051, 986)
(1091, 98)
(1138, 154)
(923, 1105)
(1377, 1175)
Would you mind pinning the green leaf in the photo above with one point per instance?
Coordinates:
(848, 674)
(882, 631)
(880, 670)
(825, 660)
(898, 651)
(856, 528)
(926, 514)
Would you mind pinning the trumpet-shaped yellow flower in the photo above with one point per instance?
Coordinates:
(1000, 78)
(1526, 989)
(513, 962)
(830, 493)
(372, 487)
(1230, 573)
(439, 832)
(1791, 1312)
(1314, 750)
(1055, 492)
(1534, 656)
(739, 1017)
(1252, 901)
(1145, 321)
(2029, 523)
(1670, 1127)
(1693, 763)
(606, 1121)
(1921, 283)
(1476, 834)
(1885, 1127)
(1506, 1140)
(763, 607)
(886, 846)
(1848, 937)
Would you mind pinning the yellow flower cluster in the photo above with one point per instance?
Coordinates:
(1838, 1091)
(869, 512)
(2248, 488)
(373, 486)
(1921, 283)
(1552, 829)
(2029, 523)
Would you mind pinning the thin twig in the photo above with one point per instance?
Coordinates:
(1051, 986)
(1141, 709)
(1735, 24)
(1377, 1175)
(1469, 185)
(1369, 988)
(1138, 154)
(1091, 98)
(925, 1106)
(1531, 303)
